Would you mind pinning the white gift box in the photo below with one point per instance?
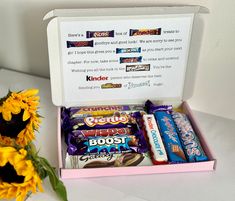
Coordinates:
(121, 56)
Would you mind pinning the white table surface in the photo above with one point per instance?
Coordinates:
(200, 186)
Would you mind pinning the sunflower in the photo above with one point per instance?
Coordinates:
(18, 117)
(18, 176)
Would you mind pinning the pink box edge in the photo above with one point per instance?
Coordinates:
(139, 170)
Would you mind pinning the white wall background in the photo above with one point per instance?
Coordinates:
(23, 44)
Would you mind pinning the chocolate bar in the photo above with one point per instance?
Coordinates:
(128, 50)
(140, 32)
(107, 160)
(120, 121)
(102, 111)
(190, 141)
(99, 34)
(102, 132)
(130, 59)
(79, 44)
(151, 108)
(170, 137)
(168, 132)
(110, 144)
(137, 67)
(158, 151)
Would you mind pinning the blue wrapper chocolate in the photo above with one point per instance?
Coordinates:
(170, 137)
(128, 50)
(110, 144)
(168, 131)
(190, 141)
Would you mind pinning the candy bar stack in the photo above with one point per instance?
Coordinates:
(128, 135)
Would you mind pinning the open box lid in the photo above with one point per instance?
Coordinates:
(120, 55)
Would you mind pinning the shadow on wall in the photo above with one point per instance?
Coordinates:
(31, 54)
(193, 58)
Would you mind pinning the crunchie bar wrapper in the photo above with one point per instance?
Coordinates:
(103, 111)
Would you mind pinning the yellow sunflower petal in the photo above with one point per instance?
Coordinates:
(34, 98)
(30, 92)
(26, 115)
(22, 195)
(33, 104)
(6, 114)
(6, 141)
(13, 109)
(24, 168)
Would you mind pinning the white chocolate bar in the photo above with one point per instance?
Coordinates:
(155, 140)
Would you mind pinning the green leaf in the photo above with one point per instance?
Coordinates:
(33, 156)
(56, 184)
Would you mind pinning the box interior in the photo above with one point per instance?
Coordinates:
(114, 171)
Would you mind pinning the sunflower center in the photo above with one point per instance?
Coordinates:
(9, 175)
(12, 128)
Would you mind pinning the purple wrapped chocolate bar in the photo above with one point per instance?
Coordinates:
(99, 34)
(102, 132)
(151, 108)
(190, 141)
(102, 111)
(121, 121)
(109, 144)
